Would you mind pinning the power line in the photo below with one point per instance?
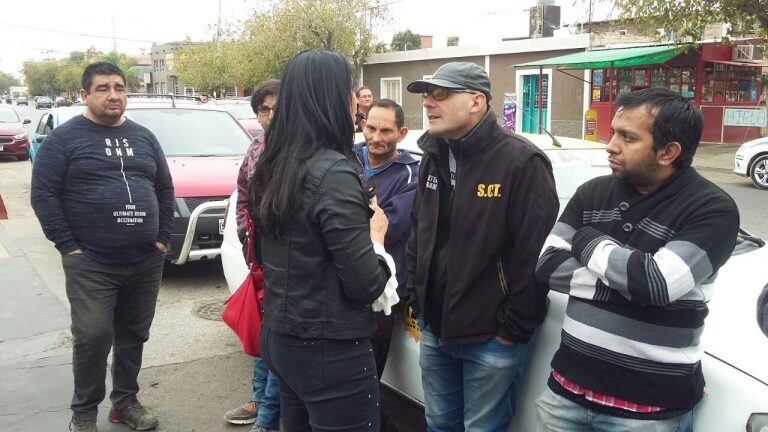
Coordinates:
(73, 33)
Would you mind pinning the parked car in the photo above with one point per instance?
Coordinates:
(43, 102)
(204, 148)
(14, 140)
(61, 101)
(50, 120)
(751, 161)
(242, 111)
(735, 348)
(22, 100)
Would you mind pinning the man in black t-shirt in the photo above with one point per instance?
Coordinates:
(103, 193)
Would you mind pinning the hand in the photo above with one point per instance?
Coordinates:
(76, 251)
(503, 341)
(161, 247)
(379, 223)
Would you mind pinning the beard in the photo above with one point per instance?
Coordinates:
(641, 174)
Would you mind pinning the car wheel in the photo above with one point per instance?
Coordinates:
(759, 172)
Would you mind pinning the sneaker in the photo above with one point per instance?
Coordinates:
(83, 425)
(135, 416)
(262, 429)
(245, 414)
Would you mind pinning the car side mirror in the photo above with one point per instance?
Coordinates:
(26, 121)
(762, 310)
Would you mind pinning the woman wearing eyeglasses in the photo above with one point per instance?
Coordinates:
(322, 252)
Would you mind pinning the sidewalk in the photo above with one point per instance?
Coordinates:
(36, 364)
(715, 157)
(35, 347)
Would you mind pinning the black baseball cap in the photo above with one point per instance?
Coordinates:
(455, 75)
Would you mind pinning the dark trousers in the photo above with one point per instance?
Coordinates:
(325, 384)
(110, 305)
(380, 340)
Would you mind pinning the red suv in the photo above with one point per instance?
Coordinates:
(204, 147)
(14, 140)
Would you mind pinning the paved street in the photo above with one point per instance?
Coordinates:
(193, 369)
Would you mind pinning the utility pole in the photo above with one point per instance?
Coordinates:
(114, 39)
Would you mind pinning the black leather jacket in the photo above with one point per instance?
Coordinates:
(322, 274)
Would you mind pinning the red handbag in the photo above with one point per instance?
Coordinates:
(242, 311)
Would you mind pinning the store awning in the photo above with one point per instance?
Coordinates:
(600, 59)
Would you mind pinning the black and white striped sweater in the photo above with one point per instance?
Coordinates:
(639, 271)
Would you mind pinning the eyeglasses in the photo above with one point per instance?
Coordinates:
(263, 110)
(442, 93)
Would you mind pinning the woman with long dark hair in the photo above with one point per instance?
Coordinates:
(321, 250)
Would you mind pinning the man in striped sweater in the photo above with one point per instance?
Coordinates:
(637, 252)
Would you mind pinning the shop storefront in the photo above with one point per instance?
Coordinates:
(723, 80)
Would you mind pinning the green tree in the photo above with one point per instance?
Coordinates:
(405, 41)
(209, 66)
(690, 17)
(292, 26)
(6, 81)
(40, 77)
(126, 64)
(68, 77)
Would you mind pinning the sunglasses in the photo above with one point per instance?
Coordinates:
(263, 110)
(442, 93)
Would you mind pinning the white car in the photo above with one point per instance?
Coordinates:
(736, 351)
(751, 161)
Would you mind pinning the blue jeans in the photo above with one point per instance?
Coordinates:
(267, 393)
(470, 387)
(556, 413)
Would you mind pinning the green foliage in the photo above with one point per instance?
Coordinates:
(259, 49)
(52, 77)
(126, 64)
(690, 17)
(41, 77)
(405, 41)
(209, 66)
(6, 81)
(380, 48)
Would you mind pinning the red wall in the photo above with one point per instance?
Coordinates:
(604, 118)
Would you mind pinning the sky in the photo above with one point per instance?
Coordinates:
(49, 29)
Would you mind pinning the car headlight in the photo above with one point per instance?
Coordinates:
(20, 137)
(758, 423)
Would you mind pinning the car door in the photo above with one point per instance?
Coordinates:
(44, 127)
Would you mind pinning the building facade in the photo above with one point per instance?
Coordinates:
(388, 74)
(725, 80)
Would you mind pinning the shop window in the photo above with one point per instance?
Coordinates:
(730, 83)
(600, 85)
(688, 83)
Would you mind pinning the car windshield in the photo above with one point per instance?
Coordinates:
(240, 111)
(189, 132)
(8, 116)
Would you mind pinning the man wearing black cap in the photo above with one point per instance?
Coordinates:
(484, 205)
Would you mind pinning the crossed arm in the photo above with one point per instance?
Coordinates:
(584, 262)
